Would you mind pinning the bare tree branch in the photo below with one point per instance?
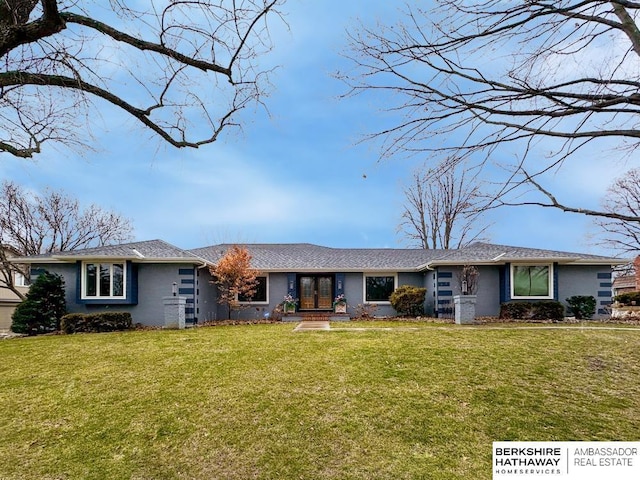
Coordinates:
(184, 72)
(32, 224)
(622, 200)
(554, 203)
(488, 80)
(23, 78)
(443, 209)
(16, 30)
(144, 45)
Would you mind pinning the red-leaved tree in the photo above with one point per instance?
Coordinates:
(234, 277)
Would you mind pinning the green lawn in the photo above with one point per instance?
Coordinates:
(417, 401)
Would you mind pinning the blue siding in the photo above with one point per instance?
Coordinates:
(505, 283)
(585, 280)
(147, 284)
(292, 287)
(339, 287)
(443, 302)
(188, 277)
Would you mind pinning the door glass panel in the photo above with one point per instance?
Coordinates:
(307, 292)
(325, 293)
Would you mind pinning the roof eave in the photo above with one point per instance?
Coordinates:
(302, 270)
(59, 259)
(503, 261)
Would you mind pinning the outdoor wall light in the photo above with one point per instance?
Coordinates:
(290, 284)
(174, 289)
(339, 284)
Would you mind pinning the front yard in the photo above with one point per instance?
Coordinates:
(409, 401)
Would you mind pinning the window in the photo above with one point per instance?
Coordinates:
(531, 281)
(378, 288)
(260, 295)
(103, 280)
(20, 280)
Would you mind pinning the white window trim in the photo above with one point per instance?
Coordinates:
(539, 297)
(260, 302)
(377, 274)
(83, 282)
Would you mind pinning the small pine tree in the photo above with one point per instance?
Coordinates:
(42, 308)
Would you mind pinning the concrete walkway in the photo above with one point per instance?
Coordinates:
(307, 325)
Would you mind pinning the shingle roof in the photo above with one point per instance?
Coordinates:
(491, 253)
(309, 257)
(628, 281)
(306, 256)
(151, 250)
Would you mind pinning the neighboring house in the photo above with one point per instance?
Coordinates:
(624, 284)
(628, 283)
(136, 276)
(8, 303)
(8, 299)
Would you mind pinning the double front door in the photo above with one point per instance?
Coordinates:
(316, 292)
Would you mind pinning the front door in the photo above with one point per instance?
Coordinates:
(316, 292)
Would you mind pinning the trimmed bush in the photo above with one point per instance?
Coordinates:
(628, 298)
(42, 308)
(408, 300)
(582, 306)
(543, 310)
(96, 322)
(517, 310)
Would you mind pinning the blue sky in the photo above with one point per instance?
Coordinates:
(296, 174)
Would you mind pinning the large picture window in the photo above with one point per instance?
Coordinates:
(378, 288)
(531, 281)
(103, 280)
(260, 295)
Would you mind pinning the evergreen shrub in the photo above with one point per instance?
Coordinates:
(408, 300)
(582, 306)
(627, 298)
(542, 310)
(43, 307)
(96, 322)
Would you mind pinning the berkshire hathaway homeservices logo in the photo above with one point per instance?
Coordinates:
(566, 460)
